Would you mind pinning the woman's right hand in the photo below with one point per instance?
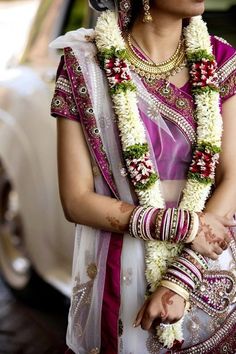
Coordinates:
(213, 236)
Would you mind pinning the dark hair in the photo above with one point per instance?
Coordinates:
(136, 9)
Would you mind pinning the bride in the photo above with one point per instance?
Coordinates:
(147, 172)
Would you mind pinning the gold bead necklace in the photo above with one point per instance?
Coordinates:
(152, 71)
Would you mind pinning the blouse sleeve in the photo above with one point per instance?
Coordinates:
(226, 59)
(63, 103)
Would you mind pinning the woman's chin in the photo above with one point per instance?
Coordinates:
(198, 9)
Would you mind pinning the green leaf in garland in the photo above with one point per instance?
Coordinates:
(112, 53)
(123, 87)
(136, 151)
(198, 56)
(203, 89)
(197, 177)
(150, 181)
(208, 147)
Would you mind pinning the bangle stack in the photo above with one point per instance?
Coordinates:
(172, 224)
(193, 228)
(175, 225)
(140, 223)
(186, 271)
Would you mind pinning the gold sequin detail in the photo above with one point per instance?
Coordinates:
(96, 171)
(92, 271)
(94, 351)
(153, 345)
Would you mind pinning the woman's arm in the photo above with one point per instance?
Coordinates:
(223, 200)
(76, 185)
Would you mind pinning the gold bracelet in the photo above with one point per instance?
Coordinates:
(176, 288)
(195, 228)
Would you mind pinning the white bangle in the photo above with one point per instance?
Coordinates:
(195, 228)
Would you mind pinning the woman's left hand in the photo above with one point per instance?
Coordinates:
(163, 306)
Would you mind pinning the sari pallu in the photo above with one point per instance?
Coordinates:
(108, 270)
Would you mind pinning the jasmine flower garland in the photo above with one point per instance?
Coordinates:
(202, 64)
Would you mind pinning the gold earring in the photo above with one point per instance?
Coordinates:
(147, 15)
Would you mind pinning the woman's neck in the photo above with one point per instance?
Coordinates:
(159, 38)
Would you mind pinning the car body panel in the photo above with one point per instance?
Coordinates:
(28, 152)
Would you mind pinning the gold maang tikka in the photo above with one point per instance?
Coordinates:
(147, 15)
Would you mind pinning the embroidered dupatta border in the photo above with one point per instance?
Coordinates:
(171, 114)
(223, 339)
(227, 69)
(87, 117)
(227, 79)
(109, 329)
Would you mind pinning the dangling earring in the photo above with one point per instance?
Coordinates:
(147, 15)
(124, 13)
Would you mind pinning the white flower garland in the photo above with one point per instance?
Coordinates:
(112, 49)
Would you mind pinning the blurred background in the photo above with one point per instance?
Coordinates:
(15, 21)
(36, 242)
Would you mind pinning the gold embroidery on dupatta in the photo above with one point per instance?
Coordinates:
(228, 87)
(216, 293)
(94, 351)
(92, 271)
(153, 345)
(156, 106)
(81, 296)
(194, 325)
(227, 69)
(128, 276)
(222, 341)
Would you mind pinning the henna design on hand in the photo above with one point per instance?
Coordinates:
(209, 234)
(224, 245)
(115, 223)
(125, 207)
(206, 229)
(166, 300)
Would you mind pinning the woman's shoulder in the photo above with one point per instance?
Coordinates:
(225, 55)
(224, 52)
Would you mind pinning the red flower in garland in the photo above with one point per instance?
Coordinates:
(140, 169)
(203, 73)
(177, 345)
(204, 164)
(117, 71)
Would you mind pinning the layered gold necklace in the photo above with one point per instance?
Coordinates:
(152, 71)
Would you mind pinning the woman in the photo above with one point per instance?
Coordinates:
(137, 101)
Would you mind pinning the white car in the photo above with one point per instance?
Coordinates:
(34, 234)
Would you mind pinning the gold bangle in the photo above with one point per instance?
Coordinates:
(158, 222)
(176, 288)
(195, 227)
